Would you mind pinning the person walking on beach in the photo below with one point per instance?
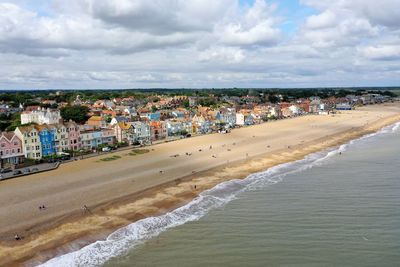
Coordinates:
(85, 209)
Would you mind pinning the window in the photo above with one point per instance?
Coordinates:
(3, 145)
(19, 150)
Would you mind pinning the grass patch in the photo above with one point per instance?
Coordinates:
(115, 157)
(135, 152)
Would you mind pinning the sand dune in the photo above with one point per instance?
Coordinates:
(132, 187)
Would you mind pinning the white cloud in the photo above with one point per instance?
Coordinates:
(382, 52)
(222, 55)
(257, 26)
(196, 43)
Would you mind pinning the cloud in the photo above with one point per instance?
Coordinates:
(222, 55)
(197, 43)
(159, 17)
(382, 52)
(256, 26)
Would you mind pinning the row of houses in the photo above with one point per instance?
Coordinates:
(47, 134)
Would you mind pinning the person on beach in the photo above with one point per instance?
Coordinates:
(85, 208)
(17, 237)
(210, 147)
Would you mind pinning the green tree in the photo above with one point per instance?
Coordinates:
(185, 103)
(78, 114)
(154, 109)
(273, 99)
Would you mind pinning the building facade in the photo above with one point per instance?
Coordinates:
(74, 140)
(10, 149)
(142, 131)
(47, 137)
(158, 130)
(31, 146)
(41, 116)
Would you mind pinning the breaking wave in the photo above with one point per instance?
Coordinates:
(128, 237)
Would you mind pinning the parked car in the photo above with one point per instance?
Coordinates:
(17, 172)
(5, 170)
(27, 170)
(35, 169)
(106, 149)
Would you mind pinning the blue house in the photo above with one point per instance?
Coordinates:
(152, 116)
(47, 136)
(97, 138)
(248, 120)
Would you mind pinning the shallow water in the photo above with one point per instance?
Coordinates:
(329, 209)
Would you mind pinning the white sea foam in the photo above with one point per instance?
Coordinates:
(138, 232)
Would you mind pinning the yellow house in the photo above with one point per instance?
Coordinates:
(31, 145)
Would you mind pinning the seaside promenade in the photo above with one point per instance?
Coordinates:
(131, 187)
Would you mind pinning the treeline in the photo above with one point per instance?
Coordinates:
(31, 97)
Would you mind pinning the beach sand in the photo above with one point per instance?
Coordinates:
(132, 187)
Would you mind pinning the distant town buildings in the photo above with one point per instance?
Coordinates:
(41, 116)
(129, 121)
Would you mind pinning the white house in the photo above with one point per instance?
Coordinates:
(61, 137)
(295, 110)
(176, 127)
(142, 131)
(41, 116)
(240, 119)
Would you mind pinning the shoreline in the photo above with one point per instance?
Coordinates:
(74, 230)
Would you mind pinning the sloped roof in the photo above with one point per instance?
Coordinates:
(95, 118)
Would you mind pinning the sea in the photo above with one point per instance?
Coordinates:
(339, 207)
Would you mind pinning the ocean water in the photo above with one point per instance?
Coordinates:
(335, 208)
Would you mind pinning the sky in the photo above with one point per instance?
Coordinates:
(99, 44)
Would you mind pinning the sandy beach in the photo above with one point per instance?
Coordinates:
(132, 187)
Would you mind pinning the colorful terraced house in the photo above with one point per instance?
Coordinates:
(47, 136)
(31, 145)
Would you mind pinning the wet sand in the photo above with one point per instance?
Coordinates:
(132, 187)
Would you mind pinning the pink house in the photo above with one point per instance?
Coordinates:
(74, 137)
(10, 149)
